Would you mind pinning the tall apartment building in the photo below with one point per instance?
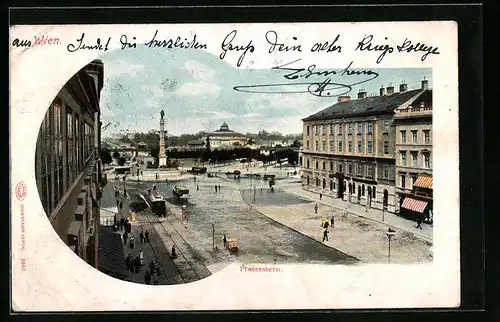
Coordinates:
(349, 148)
(414, 155)
(67, 165)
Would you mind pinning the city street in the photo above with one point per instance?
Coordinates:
(279, 227)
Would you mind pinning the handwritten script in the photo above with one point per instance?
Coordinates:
(310, 80)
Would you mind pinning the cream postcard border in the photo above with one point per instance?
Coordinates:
(55, 279)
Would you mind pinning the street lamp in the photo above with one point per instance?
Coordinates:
(389, 234)
(213, 233)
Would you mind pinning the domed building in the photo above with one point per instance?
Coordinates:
(224, 137)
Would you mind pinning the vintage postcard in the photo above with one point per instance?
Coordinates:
(234, 166)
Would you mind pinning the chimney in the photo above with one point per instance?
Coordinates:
(362, 94)
(382, 91)
(344, 98)
(425, 84)
(403, 87)
(390, 89)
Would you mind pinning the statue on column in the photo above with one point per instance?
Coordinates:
(162, 114)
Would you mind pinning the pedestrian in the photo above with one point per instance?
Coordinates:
(320, 196)
(224, 240)
(128, 261)
(141, 257)
(325, 235)
(332, 222)
(125, 237)
(121, 206)
(146, 236)
(147, 278)
(419, 222)
(122, 221)
(326, 225)
(141, 237)
(137, 263)
(151, 266)
(219, 188)
(197, 187)
(316, 208)
(173, 254)
(132, 243)
(215, 188)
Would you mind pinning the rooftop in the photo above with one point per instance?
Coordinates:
(367, 106)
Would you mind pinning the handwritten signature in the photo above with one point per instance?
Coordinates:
(324, 87)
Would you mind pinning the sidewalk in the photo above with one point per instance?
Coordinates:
(361, 211)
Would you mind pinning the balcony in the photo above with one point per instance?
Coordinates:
(413, 111)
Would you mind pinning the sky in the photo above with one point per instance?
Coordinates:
(195, 90)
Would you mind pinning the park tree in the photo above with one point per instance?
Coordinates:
(105, 156)
(121, 161)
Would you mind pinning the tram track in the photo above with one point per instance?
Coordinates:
(184, 267)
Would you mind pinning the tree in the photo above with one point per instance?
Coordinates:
(105, 156)
(296, 143)
(121, 161)
(236, 144)
(116, 155)
(251, 141)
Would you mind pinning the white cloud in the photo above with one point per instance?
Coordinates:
(199, 70)
(152, 90)
(222, 115)
(251, 115)
(197, 89)
(121, 67)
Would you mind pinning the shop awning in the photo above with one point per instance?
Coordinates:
(414, 204)
(424, 182)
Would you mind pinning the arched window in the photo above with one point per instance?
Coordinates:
(350, 188)
(331, 185)
(374, 192)
(386, 197)
(363, 191)
(354, 187)
(359, 191)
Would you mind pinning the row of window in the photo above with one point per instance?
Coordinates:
(402, 180)
(370, 192)
(415, 136)
(64, 143)
(426, 159)
(360, 148)
(349, 128)
(357, 169)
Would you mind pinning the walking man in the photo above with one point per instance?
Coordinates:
(332, 222)
(325, 235)
(224, 240)
(219, 188)
(141, 237)
(141, 258)
(146, 236)
(215, 188)
(316, 208)
(320, 196)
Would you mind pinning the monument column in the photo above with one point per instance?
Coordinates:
(162, 157)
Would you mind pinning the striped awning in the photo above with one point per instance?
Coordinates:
(424, 182)
(414, 204)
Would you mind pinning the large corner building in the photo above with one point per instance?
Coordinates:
(68, 168)
(350, 148)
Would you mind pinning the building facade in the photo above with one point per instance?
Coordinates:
(226, 138)
(349, 148)
(414, 156)
(67, 166)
